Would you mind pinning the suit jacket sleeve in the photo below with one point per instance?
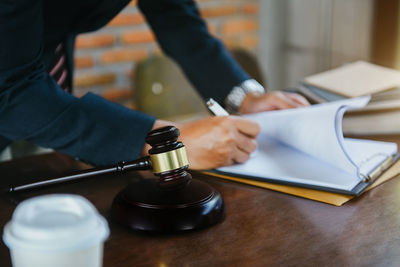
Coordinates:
(183, 35)
(33, 107)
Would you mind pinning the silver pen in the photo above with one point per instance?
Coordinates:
(216, 108)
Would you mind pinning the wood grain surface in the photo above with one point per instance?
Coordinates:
(261, 228)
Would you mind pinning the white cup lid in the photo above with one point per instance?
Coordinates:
(55, 223)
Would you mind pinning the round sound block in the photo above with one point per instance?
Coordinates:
(146, 206)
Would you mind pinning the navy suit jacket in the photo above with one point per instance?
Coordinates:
(34, 108)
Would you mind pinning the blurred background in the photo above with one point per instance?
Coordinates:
(290, 39)
(279, 42)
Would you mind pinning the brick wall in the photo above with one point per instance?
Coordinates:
(105, 59)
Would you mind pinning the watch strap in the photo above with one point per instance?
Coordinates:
(239, 92)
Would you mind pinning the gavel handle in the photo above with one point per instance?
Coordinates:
(139, 164)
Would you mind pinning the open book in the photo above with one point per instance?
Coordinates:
(306, 147)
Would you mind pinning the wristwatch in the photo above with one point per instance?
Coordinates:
(238, 93)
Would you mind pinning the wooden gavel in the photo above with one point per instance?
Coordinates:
(167, 158)
(173, 202)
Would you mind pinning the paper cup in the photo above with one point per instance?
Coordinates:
(56, 230)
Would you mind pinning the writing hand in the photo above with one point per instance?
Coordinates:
(217, 141)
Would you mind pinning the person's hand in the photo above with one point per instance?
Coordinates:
(216, 141)
(271, 101)
(219, 141)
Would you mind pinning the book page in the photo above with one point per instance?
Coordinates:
(306, 146)
(277, 161)
(315, 130)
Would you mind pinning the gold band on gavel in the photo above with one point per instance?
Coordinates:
(170, 160)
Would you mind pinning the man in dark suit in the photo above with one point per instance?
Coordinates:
(36, 66)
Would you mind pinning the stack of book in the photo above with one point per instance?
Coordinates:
(380, 116)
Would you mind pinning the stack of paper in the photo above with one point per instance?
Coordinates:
(305, 147)
(380, 116)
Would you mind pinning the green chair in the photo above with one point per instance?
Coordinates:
(161, 90)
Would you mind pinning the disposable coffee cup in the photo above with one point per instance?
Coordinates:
(56, 230)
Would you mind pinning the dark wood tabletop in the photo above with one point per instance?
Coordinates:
(261, 228)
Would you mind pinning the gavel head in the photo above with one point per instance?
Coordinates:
(168, 156)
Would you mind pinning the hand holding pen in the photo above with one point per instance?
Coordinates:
(217, 141)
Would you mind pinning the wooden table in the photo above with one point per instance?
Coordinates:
(262, 227)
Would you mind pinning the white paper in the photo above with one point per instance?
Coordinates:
(306, 146)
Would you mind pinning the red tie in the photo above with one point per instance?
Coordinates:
(58, 69)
